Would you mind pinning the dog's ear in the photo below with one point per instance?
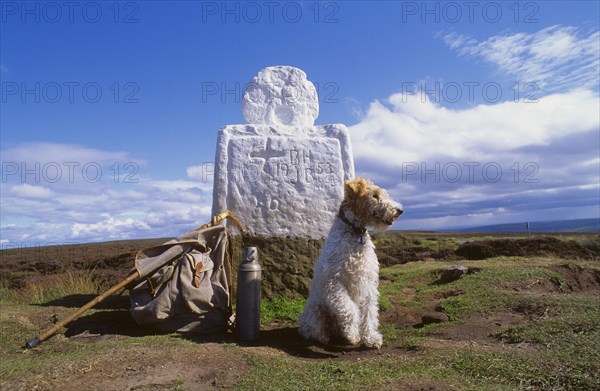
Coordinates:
(357, 186)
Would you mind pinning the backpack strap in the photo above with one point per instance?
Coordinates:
(228, 261)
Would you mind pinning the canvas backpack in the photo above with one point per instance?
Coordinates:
(185, 284)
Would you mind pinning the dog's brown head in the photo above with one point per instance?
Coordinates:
(366, 204)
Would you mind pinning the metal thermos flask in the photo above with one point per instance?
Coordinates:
(247, 313)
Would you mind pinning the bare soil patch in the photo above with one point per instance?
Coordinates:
(576, 279)
(480, 328)
(571, 279)
(407, 317)
(136, 367)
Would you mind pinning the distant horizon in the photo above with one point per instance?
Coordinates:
(532, 225)
(449, 230)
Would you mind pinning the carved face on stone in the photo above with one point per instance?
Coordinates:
(281, 95)
(367, 205)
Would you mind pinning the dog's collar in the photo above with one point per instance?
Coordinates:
(360, 231)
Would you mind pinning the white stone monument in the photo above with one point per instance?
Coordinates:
(281, 174)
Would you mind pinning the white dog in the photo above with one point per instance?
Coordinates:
(343, 297)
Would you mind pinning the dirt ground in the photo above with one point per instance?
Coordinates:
(208, 362)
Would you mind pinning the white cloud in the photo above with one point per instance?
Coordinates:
(509, 159)
(180, 214)
(110, 228)
(409, 130)
(66, 166)
(37, 208)
(556, 58)
(181, 185)
(26, 190)
(47, 152)
(80, 216)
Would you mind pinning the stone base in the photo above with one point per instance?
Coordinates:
(287, 263)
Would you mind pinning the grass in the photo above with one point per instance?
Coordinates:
(289, 374)
(544, 369)
(555, 347)
(426, 370)
(280, 309)
(7, 295)
(27, 362)
(556, 331)
(565, 339)
(489, 289)
(43, 289)
(563, 352)
(436, 244)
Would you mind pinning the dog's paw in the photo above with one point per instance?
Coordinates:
(353, 339)
(373, 341)
(353, 336)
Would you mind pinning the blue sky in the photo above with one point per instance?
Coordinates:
(469, 113)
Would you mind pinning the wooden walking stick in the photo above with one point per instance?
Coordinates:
(132, 277)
